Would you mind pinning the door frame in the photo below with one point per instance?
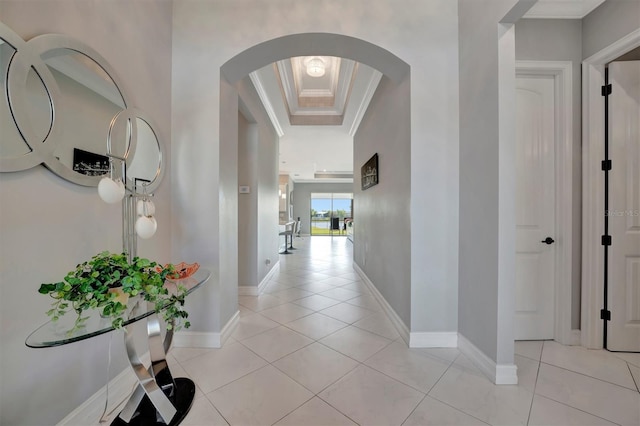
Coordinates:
(561, 71)
(593, 186)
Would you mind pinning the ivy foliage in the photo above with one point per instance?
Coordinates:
(88, 287)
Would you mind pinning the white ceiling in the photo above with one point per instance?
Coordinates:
(316, 117)
(562, 9)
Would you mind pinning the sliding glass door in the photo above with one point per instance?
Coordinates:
(329, 211)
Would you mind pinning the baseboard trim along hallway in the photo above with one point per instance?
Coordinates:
(500, 374)
(400, 326)
(196, 339)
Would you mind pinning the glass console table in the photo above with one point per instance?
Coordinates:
(158, 397)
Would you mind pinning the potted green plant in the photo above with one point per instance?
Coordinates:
(92, 285)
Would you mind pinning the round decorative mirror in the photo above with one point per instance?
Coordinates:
(29, 122)
(146, 154)
(65, 108)
(12, 143)
(89, 96)
(91, 100)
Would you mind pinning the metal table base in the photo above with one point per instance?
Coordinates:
(159, 399)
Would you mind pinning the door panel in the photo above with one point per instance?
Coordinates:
(535, 207)
(623, 331)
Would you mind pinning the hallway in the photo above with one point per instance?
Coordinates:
(316, 349)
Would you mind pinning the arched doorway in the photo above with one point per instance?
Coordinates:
(383, 248)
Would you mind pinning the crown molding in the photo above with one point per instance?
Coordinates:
(364, 104)
(262, 94)
(562, 9)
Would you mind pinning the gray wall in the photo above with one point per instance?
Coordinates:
(267, 200)
(608, 23)
(258, 210)
(561, 40)
(302, 200)
(50, 225)
(382, 234)
(419, 32)
(479, 262)
(247, 203)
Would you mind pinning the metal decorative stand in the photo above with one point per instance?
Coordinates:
(158, 394)
(158, 397)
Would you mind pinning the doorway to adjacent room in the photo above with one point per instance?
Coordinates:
(330, 213)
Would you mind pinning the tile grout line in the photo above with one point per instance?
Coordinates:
(535, 385)
(633, 377)
(272, 363)
(592, 377)
(414, 409)
(442, 402)
(445, 403)
(578, 409)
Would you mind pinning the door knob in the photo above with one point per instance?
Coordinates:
(548, 240)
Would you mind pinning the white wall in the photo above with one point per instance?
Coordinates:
(49, 225)
(421, 33)
(561, 40)
(327, 143)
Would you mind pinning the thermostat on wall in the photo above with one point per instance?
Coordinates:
(245, 189)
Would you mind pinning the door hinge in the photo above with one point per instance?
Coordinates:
(606, 90)
(606, 240)
(605, 314)
(606, 165)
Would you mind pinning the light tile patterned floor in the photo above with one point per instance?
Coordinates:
(316, 349)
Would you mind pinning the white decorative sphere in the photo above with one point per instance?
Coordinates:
(111, 191)
(145, 208)
(146, 226)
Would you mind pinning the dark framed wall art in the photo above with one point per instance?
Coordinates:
(89, 163)
(369, 173)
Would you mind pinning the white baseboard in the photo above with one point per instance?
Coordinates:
(575, 338)
(120, 387)
(500, 374)
(196, 339)
(444, 339)
(249, 290)
(395, 319)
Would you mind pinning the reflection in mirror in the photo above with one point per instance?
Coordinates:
(146, 161)
(62, 106)
(40, 112)
(91, 100)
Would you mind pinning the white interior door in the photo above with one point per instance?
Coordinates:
(623, 331)
(535, 208)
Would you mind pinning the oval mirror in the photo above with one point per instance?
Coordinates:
(91, 100)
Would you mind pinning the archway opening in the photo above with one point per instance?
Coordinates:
(382, 242)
